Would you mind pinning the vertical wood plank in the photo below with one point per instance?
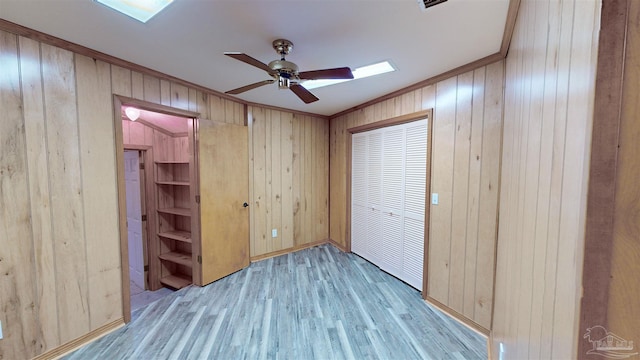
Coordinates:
(39, 195)
(287, 180)
(309, 203)
(229, 111)
(459, 200)
(546, 160)
(252, 180)
(239, 113)
(137, 85)
(121, 81)
(151, 88)
(408, 102)
(489, 187)
(579, 122)
(564, 12)
(162, 147)
(97, 161)
(276, 179)
(216, 108)
(297, 183)
(259, 182)
(66, 192)
(179, 96)
(202, 104)
(429, 97)
(441, 183)
(268, 200)
(193, 100)
(16, 262)
(136, 133)
(322, 177)
(473, 213)
(165, 92)
(543, 93)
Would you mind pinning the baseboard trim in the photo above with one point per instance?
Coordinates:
(458, 317)
(73, 345)
(288, 250)
(339, 246)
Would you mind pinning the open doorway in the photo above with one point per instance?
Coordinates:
(137, 229)
(155, 173)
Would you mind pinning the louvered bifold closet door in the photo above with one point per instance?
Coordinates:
(393, 200)
(359, 210)
(388, 186)
(414, 204)
(374, 198)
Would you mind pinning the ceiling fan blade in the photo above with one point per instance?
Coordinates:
(249, 87)
(249, 60)
(303, 93)
(337, 73)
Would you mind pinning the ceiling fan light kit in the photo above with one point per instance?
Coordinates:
(286, 72)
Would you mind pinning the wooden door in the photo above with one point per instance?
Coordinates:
(134, 217)
(223, 158)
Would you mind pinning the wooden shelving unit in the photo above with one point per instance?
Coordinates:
(172, 181)
(177, 281)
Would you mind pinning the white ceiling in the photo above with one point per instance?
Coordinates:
(187, 40)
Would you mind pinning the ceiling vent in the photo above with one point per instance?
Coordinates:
(424, 4)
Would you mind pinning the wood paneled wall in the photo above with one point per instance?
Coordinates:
(549, 96)
(289, 186)
(165, 147)
(467, 131)
(59, 238)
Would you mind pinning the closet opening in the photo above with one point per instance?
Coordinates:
(155, 153)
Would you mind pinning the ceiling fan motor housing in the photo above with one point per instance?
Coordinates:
(284, 68)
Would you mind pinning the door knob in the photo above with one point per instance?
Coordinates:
(245, 205)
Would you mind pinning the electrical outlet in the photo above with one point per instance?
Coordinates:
(434, 199)
(0, 330)
(274, 233)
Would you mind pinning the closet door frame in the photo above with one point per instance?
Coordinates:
(420, 115)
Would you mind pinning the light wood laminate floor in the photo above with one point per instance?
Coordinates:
(318, 303)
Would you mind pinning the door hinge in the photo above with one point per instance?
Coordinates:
(141, 166)
(146, 268)
(144, 217)
(199, 259)
(197, 199)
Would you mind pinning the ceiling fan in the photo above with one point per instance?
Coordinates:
(286, 73)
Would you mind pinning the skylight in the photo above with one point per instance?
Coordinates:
(141, 10)
(359, 73)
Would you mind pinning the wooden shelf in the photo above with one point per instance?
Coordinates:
(178, 235)
(179, 183)
(177, 257)
(176, 281)
(176, 211)
(173, 180)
